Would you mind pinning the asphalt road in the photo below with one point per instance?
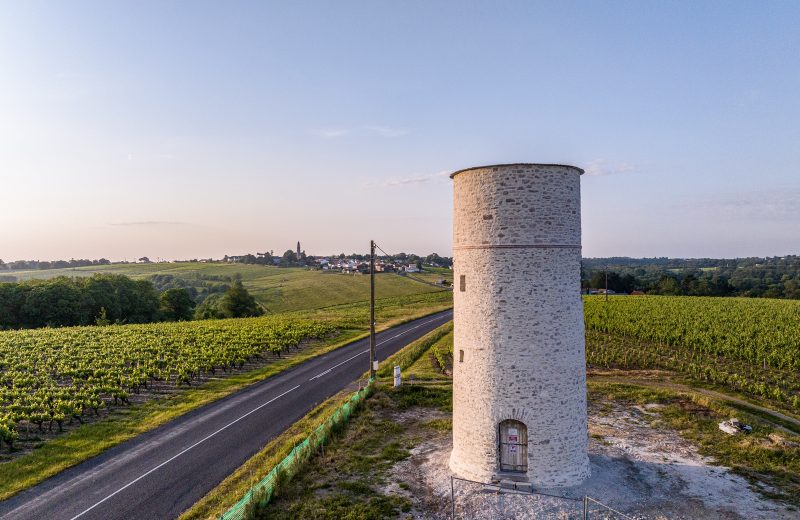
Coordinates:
(161, 473)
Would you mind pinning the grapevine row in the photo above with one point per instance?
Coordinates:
(749, 345)
(52, 376)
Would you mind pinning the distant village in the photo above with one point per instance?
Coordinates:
(353, 263)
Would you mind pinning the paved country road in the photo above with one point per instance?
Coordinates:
(161, 473)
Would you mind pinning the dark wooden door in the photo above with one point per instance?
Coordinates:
(513, 446)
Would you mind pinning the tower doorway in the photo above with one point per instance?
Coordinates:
(513, 446)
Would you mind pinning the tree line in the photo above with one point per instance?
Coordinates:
(775, 277)
(104, 299)
(290, 258)
(55, 264)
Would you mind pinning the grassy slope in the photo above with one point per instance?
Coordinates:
(349, 479)
(278, 289)
(314, 289)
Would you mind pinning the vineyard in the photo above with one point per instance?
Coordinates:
(442, 353)
(49, 376)
(748, 345)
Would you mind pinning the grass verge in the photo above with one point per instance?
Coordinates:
(230, 490)
(351, 479)
(409, 354)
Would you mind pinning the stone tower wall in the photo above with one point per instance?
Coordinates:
(519, 320)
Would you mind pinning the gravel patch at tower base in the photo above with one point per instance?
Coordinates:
(642, 471)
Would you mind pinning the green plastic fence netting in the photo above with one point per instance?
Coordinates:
(261, 493)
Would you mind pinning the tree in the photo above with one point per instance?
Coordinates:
(289, 257)
(235, 303)
(627, 283)
(668, 286)
(209, 309)
(52, 303)
(102, 319)
(238, 303)
(176, 305)
(616, 283)
(102, 291)
(12, 296)
(141, 304)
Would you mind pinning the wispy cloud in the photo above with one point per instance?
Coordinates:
(150, 223)
(416, 179)
(772, 205)
(600, 167)
(387, 131)
(379, 130)
(330, 133)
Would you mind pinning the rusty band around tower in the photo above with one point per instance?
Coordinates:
(520, 246)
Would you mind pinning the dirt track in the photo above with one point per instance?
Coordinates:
(611, 377)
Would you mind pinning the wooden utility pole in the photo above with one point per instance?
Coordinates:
(371, 309)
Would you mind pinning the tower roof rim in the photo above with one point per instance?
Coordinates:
(452, 175)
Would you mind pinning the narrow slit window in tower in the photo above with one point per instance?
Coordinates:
(460, 356)
(462, 281)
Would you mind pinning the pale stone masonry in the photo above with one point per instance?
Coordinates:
(519, 354)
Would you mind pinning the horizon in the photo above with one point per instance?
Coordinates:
(156, 260)
(199, 130)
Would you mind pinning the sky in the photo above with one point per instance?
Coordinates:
(194, 129)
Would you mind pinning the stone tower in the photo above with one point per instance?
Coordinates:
(519, 367)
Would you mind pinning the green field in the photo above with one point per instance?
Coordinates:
(434, 275)
(278, 289)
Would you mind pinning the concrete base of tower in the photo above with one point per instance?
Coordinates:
(569, 477)
(468, 471)
(572, 476)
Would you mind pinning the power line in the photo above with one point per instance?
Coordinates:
(381, 249)
(372, 246)
(372, 356)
